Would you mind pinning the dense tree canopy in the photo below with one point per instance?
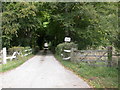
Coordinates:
(88, 24)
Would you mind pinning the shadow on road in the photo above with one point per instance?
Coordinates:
(47, 53)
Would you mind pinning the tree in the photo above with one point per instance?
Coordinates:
(88, 24)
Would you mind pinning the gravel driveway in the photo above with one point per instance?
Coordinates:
(41, 71)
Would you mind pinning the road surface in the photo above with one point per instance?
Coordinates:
(41, 71)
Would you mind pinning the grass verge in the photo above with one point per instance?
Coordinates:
(13, 64)
(97, 77)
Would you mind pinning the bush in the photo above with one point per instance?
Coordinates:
(26, 48)
(64, 46)
(15, 49)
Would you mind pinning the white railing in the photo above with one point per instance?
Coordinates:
(1, 51)
(3, 55)
(27, 52)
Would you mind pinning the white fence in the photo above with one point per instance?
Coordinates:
(1, 51)
(3, 55)
(26, 52)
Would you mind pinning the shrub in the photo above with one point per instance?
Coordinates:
(64, 46)
(15, 49)
(26, 48)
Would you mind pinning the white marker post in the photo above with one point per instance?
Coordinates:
(67, 40)
(4, 55)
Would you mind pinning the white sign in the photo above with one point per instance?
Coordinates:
(67, 39)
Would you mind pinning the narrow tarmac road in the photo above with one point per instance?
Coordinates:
(41, 71)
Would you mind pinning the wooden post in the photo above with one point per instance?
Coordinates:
(72, 55)
(4, 56)
(109, 56)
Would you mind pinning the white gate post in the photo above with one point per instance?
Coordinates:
(4, 55)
